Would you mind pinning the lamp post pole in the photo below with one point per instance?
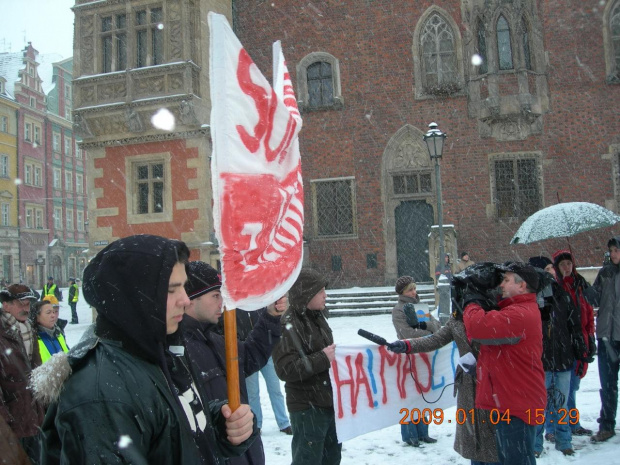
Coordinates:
(439, 211)
(434, 139)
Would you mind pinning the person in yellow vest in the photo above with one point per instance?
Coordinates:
(51, 289)
(50, 336)
(74, 295)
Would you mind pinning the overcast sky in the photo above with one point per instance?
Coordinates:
(48, 24)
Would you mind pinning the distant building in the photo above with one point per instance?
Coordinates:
(66, 181)
(47, 211)
(134, 62)
(532, 119)
(9, 226)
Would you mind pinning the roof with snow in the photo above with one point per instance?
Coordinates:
(12, 62)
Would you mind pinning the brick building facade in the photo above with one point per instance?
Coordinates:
(536, 121)
(142, 105)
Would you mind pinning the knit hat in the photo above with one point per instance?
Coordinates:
(17, 292)
(402, 283)
(526, 272)
(562, 255)
(463, 253)
(201, 278)
(539, 262)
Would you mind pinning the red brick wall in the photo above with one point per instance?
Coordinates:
(113, 184)
(373, 41)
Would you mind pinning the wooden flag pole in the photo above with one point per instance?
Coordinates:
(232, 358)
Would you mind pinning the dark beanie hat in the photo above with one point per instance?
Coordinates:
(201, 278)
(463, 253)
(402, 283)
(614, 241)
(526, 272)
(539, 262)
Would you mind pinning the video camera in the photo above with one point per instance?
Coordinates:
(480, 279)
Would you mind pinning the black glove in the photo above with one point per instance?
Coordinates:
(399, 347)
(591, 349)
(470, 296)
(412, 317)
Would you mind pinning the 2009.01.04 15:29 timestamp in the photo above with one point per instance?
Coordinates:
(428, 416)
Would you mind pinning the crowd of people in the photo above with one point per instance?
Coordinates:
(147, 381)
(523, 356)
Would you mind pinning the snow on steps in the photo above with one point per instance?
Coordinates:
(371, 300)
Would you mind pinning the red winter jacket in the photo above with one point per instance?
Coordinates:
(509, 371)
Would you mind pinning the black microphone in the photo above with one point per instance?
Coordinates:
(372, 337)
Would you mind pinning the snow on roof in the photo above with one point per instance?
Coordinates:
(10, 64)
(46, 69)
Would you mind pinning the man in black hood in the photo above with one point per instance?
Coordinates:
(303, 359)
(118, 396)
(605, 294)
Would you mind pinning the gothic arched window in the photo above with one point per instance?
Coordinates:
(525, 38)
(504, 48)
(482, 48)
(614, 29)
(438, 52)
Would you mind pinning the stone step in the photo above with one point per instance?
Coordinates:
(371, 301)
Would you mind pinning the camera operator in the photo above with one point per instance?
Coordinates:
(510, 375)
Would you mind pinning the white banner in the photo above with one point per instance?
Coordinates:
(256, 173)
(374, 388)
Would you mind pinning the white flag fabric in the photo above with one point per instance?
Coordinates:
(256, 173)
(374, 388)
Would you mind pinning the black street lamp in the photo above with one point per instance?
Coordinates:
(434, 139)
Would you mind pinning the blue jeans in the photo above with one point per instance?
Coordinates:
(413, 431)
(476, 462)
(575, 381)
(608, 365)
(515, 442)
(275, 395)
(314, 437)
(558, 387)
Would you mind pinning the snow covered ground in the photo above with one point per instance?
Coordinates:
(386, 445)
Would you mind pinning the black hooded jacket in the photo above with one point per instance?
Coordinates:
(299, 359)
(561, 327)
(117, 387)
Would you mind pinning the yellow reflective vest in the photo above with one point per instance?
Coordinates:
(49, 290)
(45, 353)
(76, 294)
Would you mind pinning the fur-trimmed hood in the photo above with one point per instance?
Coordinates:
(47, 381)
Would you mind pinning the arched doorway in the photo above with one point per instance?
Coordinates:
(413, 220)
(408, 198)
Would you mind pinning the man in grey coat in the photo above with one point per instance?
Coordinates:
(605, 293)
